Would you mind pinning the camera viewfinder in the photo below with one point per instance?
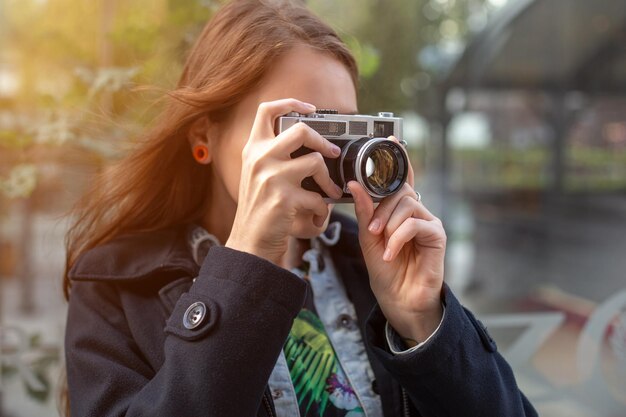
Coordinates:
(383, 129)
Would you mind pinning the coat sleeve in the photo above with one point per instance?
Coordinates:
(219, 368)
(459, 372)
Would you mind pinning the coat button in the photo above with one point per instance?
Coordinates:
(277, 393)
(345, 321)
(194, 316)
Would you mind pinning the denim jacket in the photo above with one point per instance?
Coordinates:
(339, 318)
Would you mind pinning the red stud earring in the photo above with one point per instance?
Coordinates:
(201, 153)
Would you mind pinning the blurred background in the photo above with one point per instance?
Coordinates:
(515, 115)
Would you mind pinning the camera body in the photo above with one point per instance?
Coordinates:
(367, 155)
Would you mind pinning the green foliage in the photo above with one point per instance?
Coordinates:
(11, 139)
(39, 395)
(21, 181)
(190, 13)
(30, 360)
(366, 56)
(505, 168)
(501, 168)
(78, 92)
(595, 169)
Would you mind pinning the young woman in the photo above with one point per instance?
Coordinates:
(203, 280)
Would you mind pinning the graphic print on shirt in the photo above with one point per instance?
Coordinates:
(320, 384)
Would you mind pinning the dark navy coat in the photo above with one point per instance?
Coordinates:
(129, 354)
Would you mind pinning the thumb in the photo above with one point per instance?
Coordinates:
(363, 207)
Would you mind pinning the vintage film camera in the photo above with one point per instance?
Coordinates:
(379, 164)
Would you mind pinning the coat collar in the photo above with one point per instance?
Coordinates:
(138, 255)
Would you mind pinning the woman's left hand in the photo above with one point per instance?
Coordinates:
(404, 247)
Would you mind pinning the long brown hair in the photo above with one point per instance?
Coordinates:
(159, 184)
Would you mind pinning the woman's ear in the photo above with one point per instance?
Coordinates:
(199, 140)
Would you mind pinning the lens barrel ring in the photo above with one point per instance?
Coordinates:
(379, 156)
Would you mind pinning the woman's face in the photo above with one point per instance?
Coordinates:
(304, 74)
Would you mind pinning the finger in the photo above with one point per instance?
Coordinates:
(313, 165)
(407, 207)
(411, 174)
(388, 205)
(300, 135)
(363, 206)
(267, 113)
(313, 202)
(426, 233)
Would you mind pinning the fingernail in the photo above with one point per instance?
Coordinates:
(335, 150)
(338, 190)
(374, 225)
(310, 106)
(387, 255)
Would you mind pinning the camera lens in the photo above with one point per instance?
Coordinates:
(380, 165)
(381, 168)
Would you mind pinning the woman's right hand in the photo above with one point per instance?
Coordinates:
(270, 191)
